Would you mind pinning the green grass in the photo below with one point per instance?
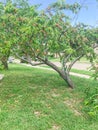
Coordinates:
(90, 73)
(82, 60)
(85, 72)
(54, 59)
(35, 99)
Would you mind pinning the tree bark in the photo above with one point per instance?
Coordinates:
(64, 75)
(4, 63)
(67, 79)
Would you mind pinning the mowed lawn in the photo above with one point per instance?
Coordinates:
(36, 99)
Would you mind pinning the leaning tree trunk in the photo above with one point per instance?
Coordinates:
(64, 75)
(67, 79)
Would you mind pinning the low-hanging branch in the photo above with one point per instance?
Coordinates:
(33, 64)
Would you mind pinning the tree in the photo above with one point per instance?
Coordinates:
(4, 42)
(40, 33)
(8, 28)
(50, 32)
(7, 37)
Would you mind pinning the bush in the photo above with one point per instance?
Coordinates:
(91, 102)
(95, 69)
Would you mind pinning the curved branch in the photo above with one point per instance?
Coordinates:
(33, 64)
(73, 62)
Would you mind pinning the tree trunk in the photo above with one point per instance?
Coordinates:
(4, 63)
(63, 75)
(67, 79)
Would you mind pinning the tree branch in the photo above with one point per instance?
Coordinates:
(73, 62)
(33, 64)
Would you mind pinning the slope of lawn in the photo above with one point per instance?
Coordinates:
(35, 99)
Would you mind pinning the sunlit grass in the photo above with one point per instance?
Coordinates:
(36, 99)
(84, 72)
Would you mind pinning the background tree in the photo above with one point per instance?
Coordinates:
(7, 29)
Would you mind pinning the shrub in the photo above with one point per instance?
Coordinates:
(91, 102)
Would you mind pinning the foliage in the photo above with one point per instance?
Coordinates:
(95, 69)
(91, 102)
(37, 34)
(7, 38)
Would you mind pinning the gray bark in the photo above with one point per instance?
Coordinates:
(64, 75)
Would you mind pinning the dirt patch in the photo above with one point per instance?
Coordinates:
(55, 127)
(37, 113)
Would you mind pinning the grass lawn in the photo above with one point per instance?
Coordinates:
(82, 60)
(85, 72)
(36, 99)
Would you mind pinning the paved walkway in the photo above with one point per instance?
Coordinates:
(77, 65)
(71, 73)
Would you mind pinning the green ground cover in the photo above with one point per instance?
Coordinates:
(36, 99)
(85, 72)
(82, 60)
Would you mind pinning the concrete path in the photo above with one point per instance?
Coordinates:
(71, 73)
(77, 65)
